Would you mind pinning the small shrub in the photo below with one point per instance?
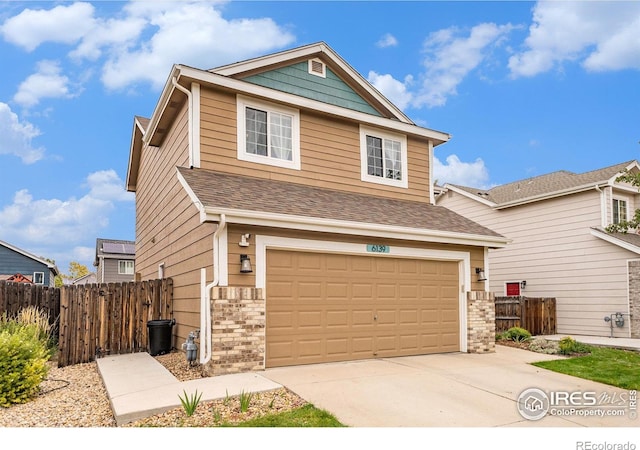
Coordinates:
(568, 346)
(190, 403)
(518, 334)
(23, 363)
(501, 336)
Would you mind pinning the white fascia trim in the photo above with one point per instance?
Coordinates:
(463, 258)
(612, 181)
(194, 120)
(158, 112)
(194, 198)
(548, 196)
(615, 241)
(469, 195)
(259, 218)
(242, 87)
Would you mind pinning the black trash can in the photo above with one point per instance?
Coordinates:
(160, 336)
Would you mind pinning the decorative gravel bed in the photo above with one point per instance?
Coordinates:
(74, 396)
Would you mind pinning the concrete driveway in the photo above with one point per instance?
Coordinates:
(449, 390)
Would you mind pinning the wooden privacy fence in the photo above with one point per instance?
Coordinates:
(536, 315)
(16, 296)
(111, 318)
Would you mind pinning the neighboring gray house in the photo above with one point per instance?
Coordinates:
(559, 246)
(17, 261)
(89, 278)
(115, 260)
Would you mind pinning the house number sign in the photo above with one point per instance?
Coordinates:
(377, 248)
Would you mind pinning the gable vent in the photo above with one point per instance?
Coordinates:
(318, 68)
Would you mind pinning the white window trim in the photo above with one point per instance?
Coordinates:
(264, 242)
(34, 277)
(622, 199)
(364, 175)
(242, 103)
(126, 261)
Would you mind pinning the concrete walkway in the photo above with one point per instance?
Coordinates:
(138, 386)
(615, 342)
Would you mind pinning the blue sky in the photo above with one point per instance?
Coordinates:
(524, 88)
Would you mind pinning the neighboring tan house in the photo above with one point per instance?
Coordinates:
(21, 266)
(559, 247)
(292, 206)
(114, 261)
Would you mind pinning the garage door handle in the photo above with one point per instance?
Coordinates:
(375, 317)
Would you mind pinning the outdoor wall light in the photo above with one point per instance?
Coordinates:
(523, 284)
(245, 264)
(480, 273)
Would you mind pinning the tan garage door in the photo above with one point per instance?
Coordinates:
(331, 307)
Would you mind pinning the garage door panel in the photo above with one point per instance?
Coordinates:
(329, 307)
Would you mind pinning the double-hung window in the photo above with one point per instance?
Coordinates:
(268, 134)
(125, 267)
(619, 210)
(383, 157)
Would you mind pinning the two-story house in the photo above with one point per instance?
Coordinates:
(560, 247)
(19, 265)
(292, 205)
(114, 261)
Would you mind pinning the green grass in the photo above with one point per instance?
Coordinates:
(305, 416)
(610, 366)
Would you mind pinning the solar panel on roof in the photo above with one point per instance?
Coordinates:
(113, 247)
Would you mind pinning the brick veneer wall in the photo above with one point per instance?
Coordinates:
(481, 322)
(238, 328)
(238, 331)
(634, 298)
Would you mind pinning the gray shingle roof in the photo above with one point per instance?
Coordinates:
(545, 184)
(221, 190)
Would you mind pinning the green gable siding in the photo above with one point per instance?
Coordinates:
(296, 79)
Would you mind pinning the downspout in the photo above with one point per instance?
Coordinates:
(187, 92)
(603, 207)
(205, 306)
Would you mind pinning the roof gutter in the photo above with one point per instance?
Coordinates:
(287, 221)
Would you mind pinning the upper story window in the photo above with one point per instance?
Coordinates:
(38, 277)
(383, 157)
(619, 211)
(268, 134)
(125, 267)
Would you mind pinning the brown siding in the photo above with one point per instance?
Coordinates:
(248, 280)
(329, 152)
(168, 228)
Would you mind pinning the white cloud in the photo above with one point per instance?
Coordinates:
(190, 33)
(454, 171)
(16, 137)
(396, 91)
(600, 35)
(46, 82)
(55, 223)
(388, 40)
(63, 24)
(451, 57)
